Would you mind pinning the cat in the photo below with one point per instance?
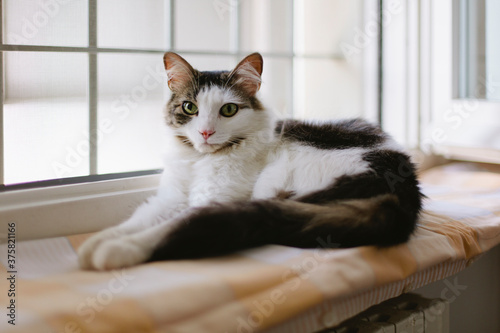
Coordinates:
(237, 178)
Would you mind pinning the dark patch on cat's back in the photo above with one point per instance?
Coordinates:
(335, 135)
(399, 175)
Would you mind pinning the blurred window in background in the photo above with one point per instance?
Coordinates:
(84, 85)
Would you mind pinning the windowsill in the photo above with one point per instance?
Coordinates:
(71, 209)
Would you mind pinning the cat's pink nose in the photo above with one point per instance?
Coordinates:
(207, 134)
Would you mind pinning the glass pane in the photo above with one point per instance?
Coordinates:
(327, 89)
(50, 22)
(45, 116)
(211, 63)
(42, 75)
(276, 86)
(130, 120)
(202, 25)
(321, 25)
(266, 26)
(492, 49)
(479, 49)
(148, 31)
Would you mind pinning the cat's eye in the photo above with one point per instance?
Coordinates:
(229, 110)
(189, 108)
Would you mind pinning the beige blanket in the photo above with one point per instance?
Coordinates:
(269, 289)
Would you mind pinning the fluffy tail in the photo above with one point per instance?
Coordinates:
(217, 230)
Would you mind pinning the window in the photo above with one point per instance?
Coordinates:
(466, 110)
(478, 71)
(84, 85)
(441, 78)
(73, 92)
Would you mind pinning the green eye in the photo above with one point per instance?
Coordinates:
(189, 108)
(228, 110)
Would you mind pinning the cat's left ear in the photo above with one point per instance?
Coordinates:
(247, 74)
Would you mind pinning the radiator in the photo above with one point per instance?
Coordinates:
(408, 313)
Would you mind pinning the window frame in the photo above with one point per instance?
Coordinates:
(426, 43)
(75, 208)
(447, 86)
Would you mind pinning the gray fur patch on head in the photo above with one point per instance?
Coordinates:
(174, 115)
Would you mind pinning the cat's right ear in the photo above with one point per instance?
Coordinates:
(179, 71)
(247, 73)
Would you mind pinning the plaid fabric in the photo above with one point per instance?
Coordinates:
(269, 289)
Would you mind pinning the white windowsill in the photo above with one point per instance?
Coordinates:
(71, 209)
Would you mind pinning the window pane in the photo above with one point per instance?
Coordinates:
(211, 63)
(327, 89)
(479, 69)
(492, 49)
(276, 85)
(35, 75)
(266, 26)
(45, 116)
(132, 24)
(322, 24)
(61, 22)
(131, 99)
(202, 25)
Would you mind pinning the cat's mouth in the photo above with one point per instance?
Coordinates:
(206, 147)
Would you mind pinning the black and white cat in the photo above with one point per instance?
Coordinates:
(235, 178)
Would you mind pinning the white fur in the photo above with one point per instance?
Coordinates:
(303, 169)
(259, 168)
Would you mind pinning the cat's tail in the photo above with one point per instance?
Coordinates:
(226, 228)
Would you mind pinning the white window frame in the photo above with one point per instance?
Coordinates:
(443, 133)
(88, 207)
(424, 44)
(72, 209)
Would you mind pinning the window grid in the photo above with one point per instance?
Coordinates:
(93, 51)
(92, 88)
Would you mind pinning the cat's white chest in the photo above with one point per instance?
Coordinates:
(221, 179)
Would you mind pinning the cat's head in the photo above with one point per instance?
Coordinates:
(211, 111)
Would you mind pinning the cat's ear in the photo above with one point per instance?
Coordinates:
(179, 71)
(247, 74)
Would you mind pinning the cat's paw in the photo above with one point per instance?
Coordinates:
(87, 249)
(118, 253)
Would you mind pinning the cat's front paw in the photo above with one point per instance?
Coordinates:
(117, 253)
(87, 249)
(92, 253)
